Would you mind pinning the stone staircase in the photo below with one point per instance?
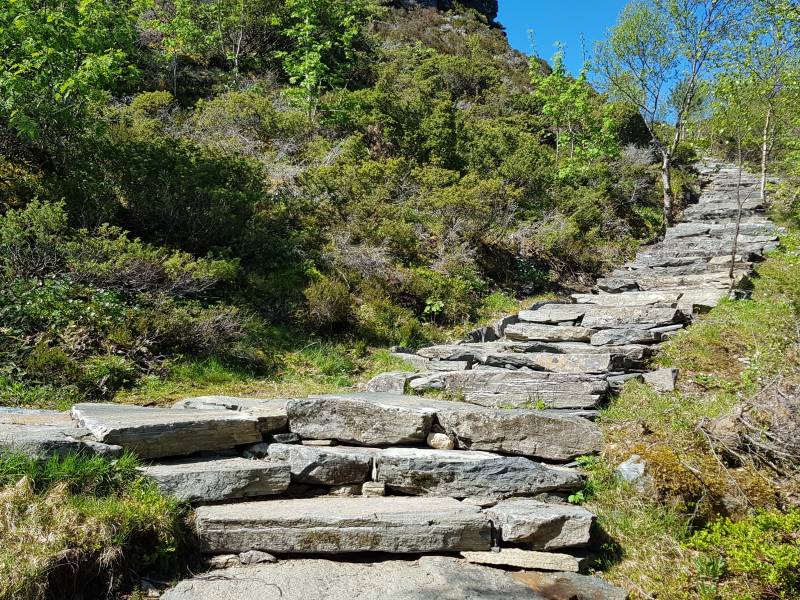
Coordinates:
(482, 476)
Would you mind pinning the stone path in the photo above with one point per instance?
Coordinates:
(483, 475)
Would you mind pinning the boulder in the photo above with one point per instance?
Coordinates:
(270, 412)
(368, 420)
(459, 474)
(162, 432)
(544, 526)
(326, 525)
(213, 479)
(337, 465)
(527, 332)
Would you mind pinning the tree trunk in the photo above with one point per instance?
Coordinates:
(765, 152)
(666, 166)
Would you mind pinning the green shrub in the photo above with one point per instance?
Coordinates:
(762, 551)
(329, 304)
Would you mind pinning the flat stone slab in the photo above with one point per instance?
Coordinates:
(44, 433)
(270, 412)
(213, 479)
(627, 299)
(521, 389)
(544, 526)
(553, 314)
(550, 435)
(525, 559)
(609, 317)
(326, 525)
(429, 578)
(162, 432)
(375, 421)
(527, 332)
(459, 474)
(335, 465)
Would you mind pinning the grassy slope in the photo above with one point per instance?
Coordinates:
(741, 354)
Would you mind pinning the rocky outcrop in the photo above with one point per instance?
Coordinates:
(488, 8)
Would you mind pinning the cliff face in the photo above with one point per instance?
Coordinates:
(488, 8)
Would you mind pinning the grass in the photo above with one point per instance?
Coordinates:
(735, 355)
(81, 526)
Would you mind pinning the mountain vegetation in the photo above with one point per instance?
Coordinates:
(261, 196)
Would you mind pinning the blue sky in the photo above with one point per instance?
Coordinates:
(558, 20)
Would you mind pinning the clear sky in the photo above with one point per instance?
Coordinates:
(558, 21)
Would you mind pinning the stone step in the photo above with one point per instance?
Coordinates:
(719, 280)
(164, 432)
(647, 317)
(629, 299)
(270, 412)
(530, 332)
(461, 474)
(326, 525)
(376, 419)
(428, 578)
(41, 434)
(215, 479)
(519, 389)
(541, 525)
(335, 465)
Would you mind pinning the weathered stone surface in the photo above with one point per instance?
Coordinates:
(508, 388)
(701, 300)
(429, 578)
(45, 433)
(373, 489)
(662, 380)
(632, 469)
(459, 474)
(544, 526)
(550, 435)
(368, 420)
(625, 336)
(335, 465)
(525, 559)
(418, 362)
(285, 438)
(161, 432)
(608, 317)
(339, 525)
(390, 382)
(270, 412)
(553, 314)
(626, 299)
(212, 479)
(547, 333)
(570, 586)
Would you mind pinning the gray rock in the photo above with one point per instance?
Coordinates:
(369, 420)
(482, 334)
(625, 336)
(285, 438)
(501, 324)
(337, 465)
(390, 382)
(222, 561)
(544, 526)
(617, 382)
(525, 559)
(547, 333)
(701, 300)
(632, 469)
(339, 525)
(259, 450)
(440, 441)
(627, 299)
(429, 578)
(349, 490)
(553, 313)
(318, 443)
(212, 479)
(419, 363)
(42, 434)
(608, 317)
(270, 412)
(459, 474)
(256, 557)
(161, 432)
(570, 586)
(662, 380)
(510, 388)
(448, 365)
